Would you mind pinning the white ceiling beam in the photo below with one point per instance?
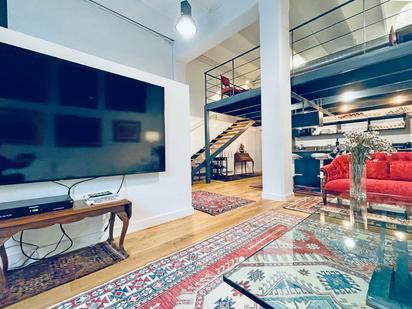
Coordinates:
(238, 44)
(217, 26)
(217, 56)
(252, 34)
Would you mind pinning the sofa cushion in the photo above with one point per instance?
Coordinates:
(386, 187)
(400, 156)
(380, 156)
(377, 169)
(401, 170)
(337, 186)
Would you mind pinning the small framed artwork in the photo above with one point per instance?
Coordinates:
(126, 131)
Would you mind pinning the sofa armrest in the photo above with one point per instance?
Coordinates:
(330, 172)
(337, 169)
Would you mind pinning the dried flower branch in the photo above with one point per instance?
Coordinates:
(362, 144)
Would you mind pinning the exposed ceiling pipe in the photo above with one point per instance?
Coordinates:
(124, 17)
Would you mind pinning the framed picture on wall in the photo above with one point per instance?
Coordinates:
(126, 131)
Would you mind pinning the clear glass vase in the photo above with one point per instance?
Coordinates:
(358, 193)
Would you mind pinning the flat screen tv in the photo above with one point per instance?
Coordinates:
(63, 120)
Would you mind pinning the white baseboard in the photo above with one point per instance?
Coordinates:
(138, 225)
(276, 197)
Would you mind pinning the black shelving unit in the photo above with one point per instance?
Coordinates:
(368, 120)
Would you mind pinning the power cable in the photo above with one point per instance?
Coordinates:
(50, 252)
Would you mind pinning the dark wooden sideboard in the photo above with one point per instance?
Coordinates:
(80, 210)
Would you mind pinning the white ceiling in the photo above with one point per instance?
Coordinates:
(171, 8)
(303, 10)
(205, 6)
(166, 12)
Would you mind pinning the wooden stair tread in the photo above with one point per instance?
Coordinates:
(240, 124)
(237, 128)
(224, 138)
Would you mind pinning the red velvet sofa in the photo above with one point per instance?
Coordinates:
(389, 178)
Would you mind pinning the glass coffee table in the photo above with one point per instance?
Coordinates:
(335, 258)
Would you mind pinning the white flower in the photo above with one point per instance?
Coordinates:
(361, 144)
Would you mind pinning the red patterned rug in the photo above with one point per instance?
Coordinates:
(307, 190)
(307, 205)
(190, 278)
(215, 204)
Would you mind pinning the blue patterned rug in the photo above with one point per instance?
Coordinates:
(314, 265)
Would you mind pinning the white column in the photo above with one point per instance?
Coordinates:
(276, 112)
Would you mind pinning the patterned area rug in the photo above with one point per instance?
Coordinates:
(314, 266)
(45, 275)
(215, 204)
(190, 278)
(307, 205)
(307, 190)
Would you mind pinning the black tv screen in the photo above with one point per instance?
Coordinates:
(63, 120)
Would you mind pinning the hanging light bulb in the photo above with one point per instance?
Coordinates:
(186, 25)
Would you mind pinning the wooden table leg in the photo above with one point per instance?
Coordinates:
(5, 262)
(125, 219)
(111, 226)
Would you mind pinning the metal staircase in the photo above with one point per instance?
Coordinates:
(219, 143)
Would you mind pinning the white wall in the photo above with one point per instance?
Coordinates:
(195, 79)
(218, 24)
(251, 139)
(156, 198)
(83, 26)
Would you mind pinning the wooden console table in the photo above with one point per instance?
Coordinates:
(80, 210)
(243, 158)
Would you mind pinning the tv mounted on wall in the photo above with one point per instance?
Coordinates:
(63, 120)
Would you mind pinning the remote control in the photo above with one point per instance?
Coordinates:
(102, 199)
(98, 194)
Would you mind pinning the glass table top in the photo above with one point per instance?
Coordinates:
(328, 261)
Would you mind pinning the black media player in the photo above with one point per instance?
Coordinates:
(22, 208)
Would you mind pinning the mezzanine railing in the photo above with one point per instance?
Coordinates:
(352, 28)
